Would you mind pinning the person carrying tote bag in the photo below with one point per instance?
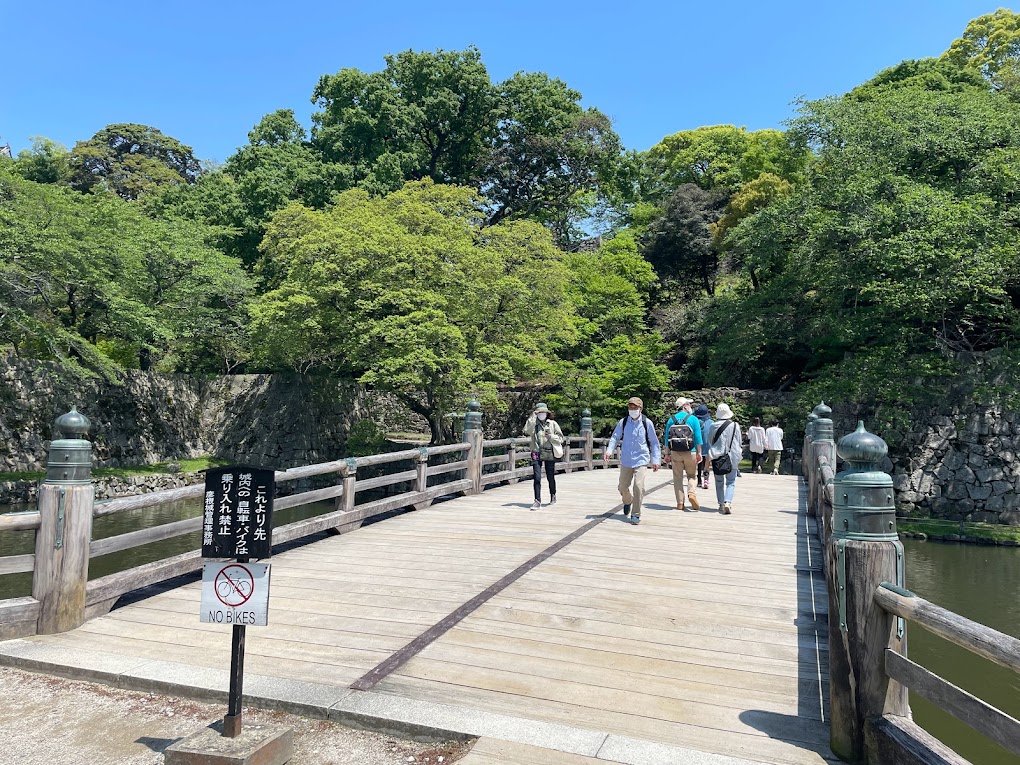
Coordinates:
(546, 448)
(725, 450)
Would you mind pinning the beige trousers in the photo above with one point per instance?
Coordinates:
(635, 476)
(684, 462)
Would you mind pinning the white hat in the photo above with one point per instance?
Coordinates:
(722, 412)
(682, 401)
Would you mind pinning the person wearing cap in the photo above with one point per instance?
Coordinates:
(724, 450)
(546, 437)
(682, 441)
(704, 467)
(639, 449)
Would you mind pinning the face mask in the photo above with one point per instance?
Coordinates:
(634, 413)
(542, 415)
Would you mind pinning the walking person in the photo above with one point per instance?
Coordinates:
(546, 448)
(774, 444)
(705, 466)
(682, 440)
(639, 449)
(725, 449)
(756, 444)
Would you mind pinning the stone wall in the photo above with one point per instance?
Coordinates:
(273, 420)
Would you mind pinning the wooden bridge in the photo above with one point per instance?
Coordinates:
(562, 635)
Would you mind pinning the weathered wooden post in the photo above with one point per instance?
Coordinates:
(805, 453)
(65, 531)
(864, 551)
(350, 474)
(421, 477)
(586, 431)
(567, 467)
(822, 445)
(473, 436)
(512, 464)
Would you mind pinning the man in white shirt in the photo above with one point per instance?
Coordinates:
(774, 444)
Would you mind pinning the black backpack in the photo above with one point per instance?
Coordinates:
(681, 435)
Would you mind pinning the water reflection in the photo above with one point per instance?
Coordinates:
(979, 582)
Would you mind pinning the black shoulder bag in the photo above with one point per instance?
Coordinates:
(723, 465)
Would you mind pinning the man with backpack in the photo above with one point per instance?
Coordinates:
(683, 441)
(639, 448)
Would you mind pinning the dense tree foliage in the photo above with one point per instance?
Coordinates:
(89, 280)
(424, 237)
(131, 161)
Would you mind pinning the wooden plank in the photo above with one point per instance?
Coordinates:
(18, 609)
(19, 521)
(385, 459)
(976, 638)
(385, 480)
(894, 740)
(307, 497)
(448, 467)
(982, 717)
(17, 564)
(138, 501)
(143, 536)
(114, 585)
(439, 628)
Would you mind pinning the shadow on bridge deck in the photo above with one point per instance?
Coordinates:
(694, 637)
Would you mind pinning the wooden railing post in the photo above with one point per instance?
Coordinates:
(62, 541)
(473, 436)
(347, 498)
(805, 451)
(512, 463)
(567, 467)
(587, 433)
(421, 477)
(821, 444)
(864, 551)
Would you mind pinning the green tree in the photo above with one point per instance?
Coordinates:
(990, 46)
(408, 293)
(679, 242)
(426, 115)
(131, 161)
(46, 162)
(90, 281)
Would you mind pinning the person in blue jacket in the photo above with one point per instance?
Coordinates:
(639, 449)
(705, 466)
(682, 441)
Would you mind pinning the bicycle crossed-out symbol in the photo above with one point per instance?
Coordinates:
(234, 585)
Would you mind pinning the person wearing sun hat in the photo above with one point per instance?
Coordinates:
(724, 450)
(639, 449)
(546, 439)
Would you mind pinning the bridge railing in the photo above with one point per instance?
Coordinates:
(62, 597)
(869, 672)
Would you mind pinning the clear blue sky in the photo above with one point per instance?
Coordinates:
(206, 72)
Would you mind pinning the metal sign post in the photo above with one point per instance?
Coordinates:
(237, 523)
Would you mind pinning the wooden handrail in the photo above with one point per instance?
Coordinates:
(20, 521)
(979, 715)
(976, 638)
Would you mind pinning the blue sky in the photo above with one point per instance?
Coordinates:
(206, 72)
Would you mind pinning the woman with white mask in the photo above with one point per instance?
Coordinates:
(546, 448)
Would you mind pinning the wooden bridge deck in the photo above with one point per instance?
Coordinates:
(695, 630)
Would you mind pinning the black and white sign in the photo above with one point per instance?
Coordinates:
(236, 594)
(238, 513)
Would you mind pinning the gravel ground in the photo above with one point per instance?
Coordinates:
(51, 721)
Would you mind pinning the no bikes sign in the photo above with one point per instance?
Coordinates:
(235, 594)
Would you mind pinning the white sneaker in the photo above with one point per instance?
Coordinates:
(775, 472)
(536, 506)
(552, 501)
